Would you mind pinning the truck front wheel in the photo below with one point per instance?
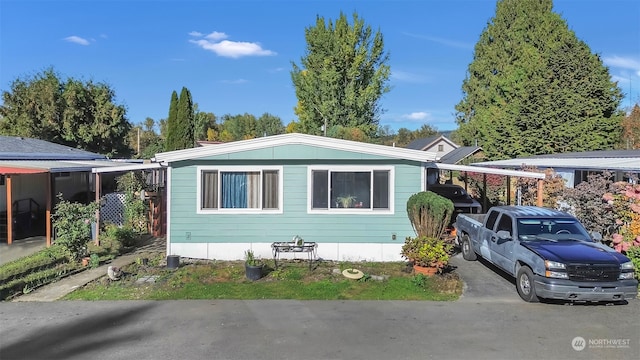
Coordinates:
(524, 284)
(467, 250)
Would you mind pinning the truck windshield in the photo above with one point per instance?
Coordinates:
(551, 228)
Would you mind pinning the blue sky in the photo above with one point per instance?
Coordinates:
(235, 56)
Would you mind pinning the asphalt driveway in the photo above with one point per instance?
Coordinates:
(488, 322)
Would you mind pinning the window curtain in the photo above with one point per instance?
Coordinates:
(210, 190)
(234, 190)
(270, 189)
(253, 190)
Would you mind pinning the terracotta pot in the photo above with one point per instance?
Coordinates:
(85, 261)
(424, 270)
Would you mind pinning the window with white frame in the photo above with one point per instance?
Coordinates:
(351, 189)
(239, 189)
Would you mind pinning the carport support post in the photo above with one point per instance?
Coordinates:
(9, 211)
(508, 190)
(485, 201)
(540, 188)
(98, 188)
(47, 216)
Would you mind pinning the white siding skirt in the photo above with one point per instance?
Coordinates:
(326, 251)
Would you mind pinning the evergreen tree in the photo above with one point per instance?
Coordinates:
(171, 142)
(185, 127)
(535, 88)
(341, 78)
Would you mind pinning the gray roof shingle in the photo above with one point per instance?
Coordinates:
(19, 148)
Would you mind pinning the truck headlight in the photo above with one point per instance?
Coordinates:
(554, 265)
(627, 271)
(627, 266)
(555, 269)
(556, 274)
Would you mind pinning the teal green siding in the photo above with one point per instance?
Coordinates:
(241, 228)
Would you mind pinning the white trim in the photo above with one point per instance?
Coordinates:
(168, 211)
(293, 139)
(220, 169)
(348, 168)
(129, 167)
(487, 170)
(353, 252)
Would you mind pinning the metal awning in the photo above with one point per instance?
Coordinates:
(54, 166)
(6, 170)
(486, 170)
(128, 167)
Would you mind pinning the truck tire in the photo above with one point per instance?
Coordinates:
(467, 250)
(525, 284)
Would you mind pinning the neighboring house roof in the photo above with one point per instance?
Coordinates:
(623, 160)
(425, 143)
(459, 154)
(293, 139)
(19, 148)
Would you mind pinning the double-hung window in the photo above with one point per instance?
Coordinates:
(351, 189)
(239, 189)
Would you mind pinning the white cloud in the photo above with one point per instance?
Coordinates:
(215, 43)
(407, 76)
(416, 116)
(235, 82)
(442, 41)
(216, 36)
(623, 62)
(77, 40)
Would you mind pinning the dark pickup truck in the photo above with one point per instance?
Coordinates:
(549, 252)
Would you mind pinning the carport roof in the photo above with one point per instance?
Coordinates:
(55, 166)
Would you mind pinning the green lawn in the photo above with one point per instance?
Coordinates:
(292, 280)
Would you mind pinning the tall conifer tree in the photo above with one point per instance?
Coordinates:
(172, 124)
(535, 88)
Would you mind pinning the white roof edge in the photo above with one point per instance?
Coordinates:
(129, 167)
(292, 139)
(488, 170)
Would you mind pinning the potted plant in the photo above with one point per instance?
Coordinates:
(428, 255)
(346, 201)
(252, 266)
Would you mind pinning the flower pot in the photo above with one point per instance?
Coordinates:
(85, 261)
(253, 272)
(425, 270)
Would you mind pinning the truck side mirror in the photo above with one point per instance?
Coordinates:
(503, 235)
(596, 236)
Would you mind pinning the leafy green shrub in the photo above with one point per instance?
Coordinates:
(118, 237)
(135, 209)
(429, 213)
(72, 224)
(426, 251)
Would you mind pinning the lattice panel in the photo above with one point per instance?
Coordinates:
(112, 209)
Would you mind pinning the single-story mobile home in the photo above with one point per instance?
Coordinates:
(348, 197)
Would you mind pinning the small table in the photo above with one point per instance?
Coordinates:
(289, 247)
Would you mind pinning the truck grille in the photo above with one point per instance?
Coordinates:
(593, 272)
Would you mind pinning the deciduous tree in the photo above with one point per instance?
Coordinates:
(631, 130)
(342, 77)
(80, 114)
